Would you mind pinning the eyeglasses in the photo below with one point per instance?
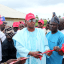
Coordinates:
(32, 20)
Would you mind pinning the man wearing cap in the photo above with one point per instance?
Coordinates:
(40, 24)
(2, 38)
(53, 14)
(31, 41)
(55, 41)
(15, 27)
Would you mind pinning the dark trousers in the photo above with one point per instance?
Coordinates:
(0, 62)
(63, 61)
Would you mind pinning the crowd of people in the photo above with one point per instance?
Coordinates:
(23, 43)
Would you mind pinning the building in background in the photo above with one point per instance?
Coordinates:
(11, 15)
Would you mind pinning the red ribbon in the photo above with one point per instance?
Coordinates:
(62, 49)
(45, 53)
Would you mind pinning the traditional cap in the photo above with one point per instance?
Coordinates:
(55, 19)
(54, 13)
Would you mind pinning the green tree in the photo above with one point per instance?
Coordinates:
(45, 22)
(36, 20)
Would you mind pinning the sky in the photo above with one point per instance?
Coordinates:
(42, 8)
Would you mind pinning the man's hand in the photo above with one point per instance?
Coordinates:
(56, 48)
(48, 53)
(11, 60)
(36, 54)
(20, 60)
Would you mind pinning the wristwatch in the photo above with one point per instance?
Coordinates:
(5, 63)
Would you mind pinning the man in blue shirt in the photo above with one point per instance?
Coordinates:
(55, 41)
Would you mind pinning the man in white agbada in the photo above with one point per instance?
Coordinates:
(31, 41)
(2, 38)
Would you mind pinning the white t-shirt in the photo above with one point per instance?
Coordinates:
(46, 31)
(2, 37)
(62, 31)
